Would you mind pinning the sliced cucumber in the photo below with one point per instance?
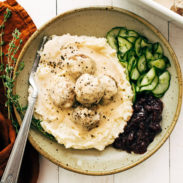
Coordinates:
(157, 48)
(138, 46)
(131, 53)
(157, 56)
(134, 92)
(111, 37)
(139, 80)
(131, 63)
(138, 83)
(148, 54)
(163, 85)
(143, 52)
(158, 96)
(123, 32)
(125, 57)
(151, 86)
(159, 64)
(133, 33)
(144, 43)
(148, 77)
(167, 61)
(134, 75)
(122, 57)
(127, 33)
(143, 61)
(131, 39)
(124, 45)
(124, 64)
(141, 64)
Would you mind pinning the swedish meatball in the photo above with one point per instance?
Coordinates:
(62, 93)
(110, 88)
(80, 64)
(88, 89)
(85, 117)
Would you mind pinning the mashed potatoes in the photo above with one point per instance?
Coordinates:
(84, 98)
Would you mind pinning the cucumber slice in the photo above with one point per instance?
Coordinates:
(131, 53)
(159, 64)
(123, 32)
(148, 54)
(163, 85)
(124, 64)
(148, 77)
(144, 43)
(134, 75)
(157, 48)
(134, 92)
(167, 61)
(141, 65)
(111, 37)
(124, 45)
(133, 33)
(138, 83)
(151, 86)
(139, 80)
(157, 56)
(125, 57)
(131, 39)
(158, 96)
(122, 57)
(131, 63)
(138, 46)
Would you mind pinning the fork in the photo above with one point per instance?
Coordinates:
(12, 169)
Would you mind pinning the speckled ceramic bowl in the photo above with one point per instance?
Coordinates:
(96, 22)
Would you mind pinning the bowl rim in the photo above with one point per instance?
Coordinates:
(166, 44)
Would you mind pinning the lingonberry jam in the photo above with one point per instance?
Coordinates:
(143, 125)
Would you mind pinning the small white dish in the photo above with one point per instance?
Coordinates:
(161, 10)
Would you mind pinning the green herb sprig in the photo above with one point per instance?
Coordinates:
(6, 69)
(8, 76)
(7, 15)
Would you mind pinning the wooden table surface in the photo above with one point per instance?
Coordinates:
(166, 165)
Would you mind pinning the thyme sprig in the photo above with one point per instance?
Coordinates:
(7, 15)
(8, 76)
(7, 64)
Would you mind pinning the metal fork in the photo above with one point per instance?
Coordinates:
(11, 172)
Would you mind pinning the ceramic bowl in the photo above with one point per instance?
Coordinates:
(97, 21)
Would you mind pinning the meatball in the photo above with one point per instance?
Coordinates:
(80, 64)
(85, 117)
(110, 88)
(88, 89)
(62, 92)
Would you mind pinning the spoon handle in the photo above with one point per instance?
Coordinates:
(11, 172)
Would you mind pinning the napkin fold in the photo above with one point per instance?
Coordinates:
(30, 166)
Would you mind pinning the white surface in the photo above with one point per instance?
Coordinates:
(166, 165)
